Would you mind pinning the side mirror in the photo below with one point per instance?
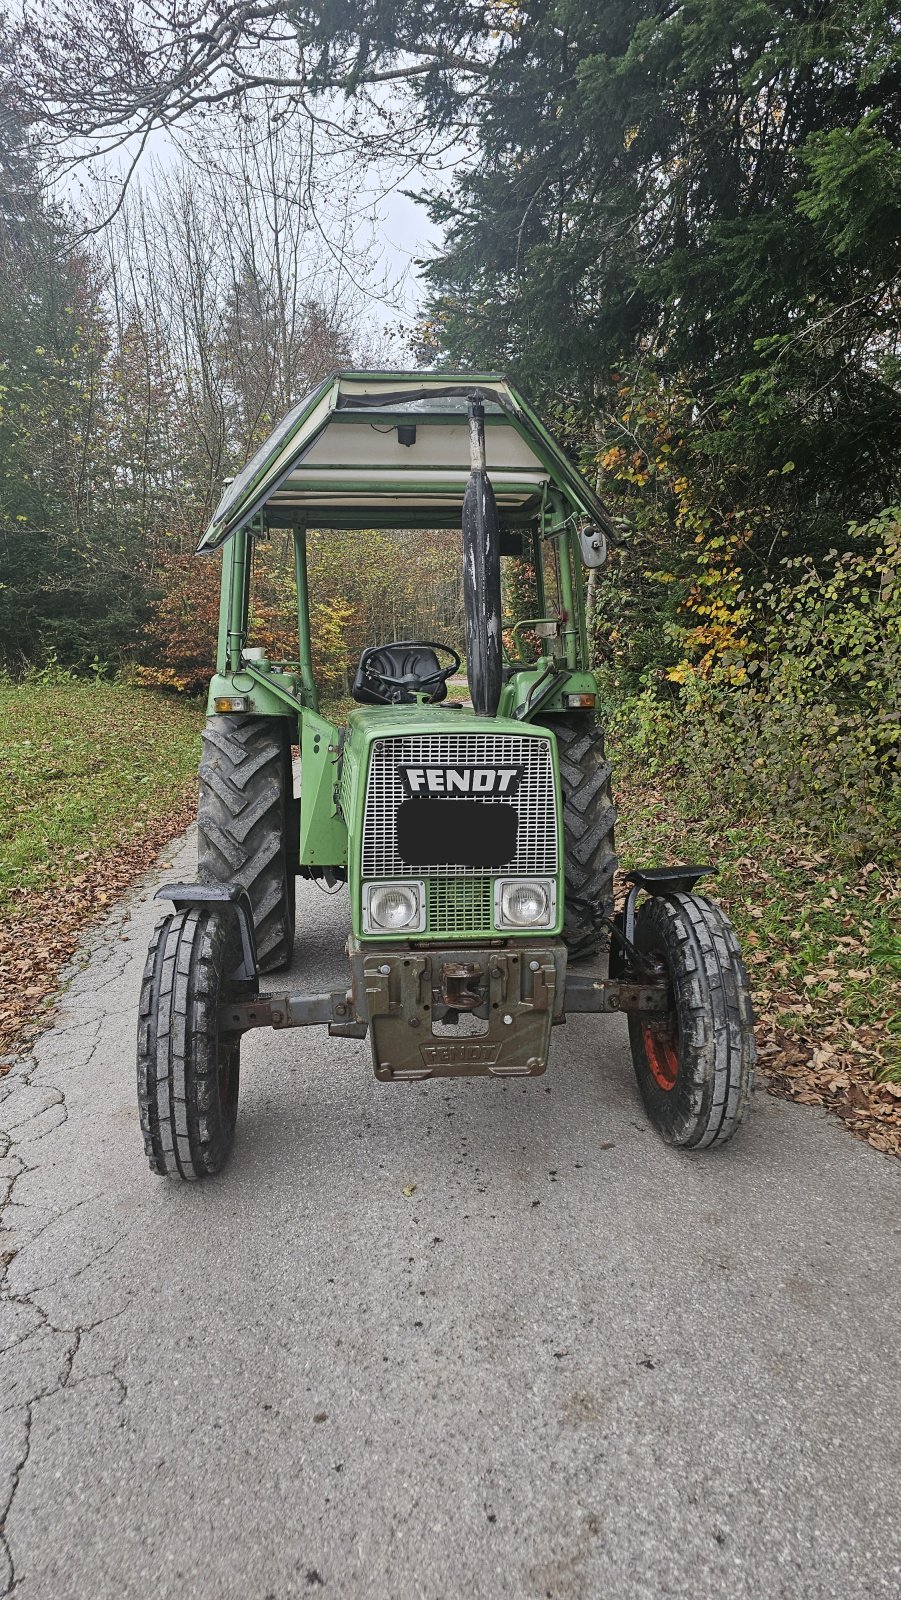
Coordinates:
(593, 544)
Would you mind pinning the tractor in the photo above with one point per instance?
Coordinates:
(476, 836)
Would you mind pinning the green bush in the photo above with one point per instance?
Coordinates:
(809, 727)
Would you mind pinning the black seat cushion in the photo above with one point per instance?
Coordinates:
(398, 661)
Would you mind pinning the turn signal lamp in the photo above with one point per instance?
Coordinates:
(232, 702)
(578, 700)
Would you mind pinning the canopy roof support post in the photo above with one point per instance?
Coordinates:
(225, 600)
(568, 600)
(580, 612)
(538, 534)
(233, 600)
(305, 653)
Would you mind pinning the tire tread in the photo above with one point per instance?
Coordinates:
(185, 1133)
(589, 818)
(244, 826)
(715, 1016)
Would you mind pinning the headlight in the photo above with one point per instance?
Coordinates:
(525, 902)
(394, 907)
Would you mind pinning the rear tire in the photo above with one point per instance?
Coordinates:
(695, 1068)
(589, 816)
(188, 1068)
(247, 824)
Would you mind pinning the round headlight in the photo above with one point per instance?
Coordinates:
(524, 904)
(393, 906)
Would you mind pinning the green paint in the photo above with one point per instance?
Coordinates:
(239, 586)
(562, 534)
(366, 516)
(323, 834)
(270, 693)
(538, 563)
(228, 556)
(310, 693)
(517, 690)
(404, 484)
(232, 603)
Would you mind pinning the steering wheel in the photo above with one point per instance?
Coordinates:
(405, 668)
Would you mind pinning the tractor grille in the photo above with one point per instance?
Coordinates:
(537, 845)
(459, 905)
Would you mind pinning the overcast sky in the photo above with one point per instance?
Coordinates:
(399, 229)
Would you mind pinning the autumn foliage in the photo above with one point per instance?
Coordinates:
(365, 587)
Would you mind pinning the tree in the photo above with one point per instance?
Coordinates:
(103, 69)
(699, 189)
(137, 368)
(709, 194)
(676, 224)
(66, 581)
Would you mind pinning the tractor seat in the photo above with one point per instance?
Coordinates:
(416, 663)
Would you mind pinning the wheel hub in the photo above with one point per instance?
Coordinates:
(661, 1043)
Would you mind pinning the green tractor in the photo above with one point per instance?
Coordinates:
(476, 839)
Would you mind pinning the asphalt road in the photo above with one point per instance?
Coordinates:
(572, 1363)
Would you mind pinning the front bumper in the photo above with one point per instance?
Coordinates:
(412, 998)
(439, 1013)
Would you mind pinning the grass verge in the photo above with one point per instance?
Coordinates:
(820, 937)
(94, 779)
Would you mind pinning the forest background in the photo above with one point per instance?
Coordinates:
(677, 227)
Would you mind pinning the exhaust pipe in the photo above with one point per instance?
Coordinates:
(481, 575)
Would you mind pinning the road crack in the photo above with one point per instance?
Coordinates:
(17, 1133)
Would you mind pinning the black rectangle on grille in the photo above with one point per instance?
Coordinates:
(456, 833)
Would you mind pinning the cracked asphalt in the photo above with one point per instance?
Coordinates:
(571, 1363)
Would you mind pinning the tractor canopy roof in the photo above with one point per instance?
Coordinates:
(391, 449)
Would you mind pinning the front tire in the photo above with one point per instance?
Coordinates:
(188, 1066)
(694, 1067)
(247, 824)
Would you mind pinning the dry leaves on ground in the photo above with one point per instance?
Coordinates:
(812, 1044)
(40, 936)
(816, 1074)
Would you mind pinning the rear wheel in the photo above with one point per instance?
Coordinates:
(247, 822)
(694, 1066)
(588, 822)
(188, 1066)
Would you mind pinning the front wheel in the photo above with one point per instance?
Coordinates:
(695, 1066)
(188, 1065)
